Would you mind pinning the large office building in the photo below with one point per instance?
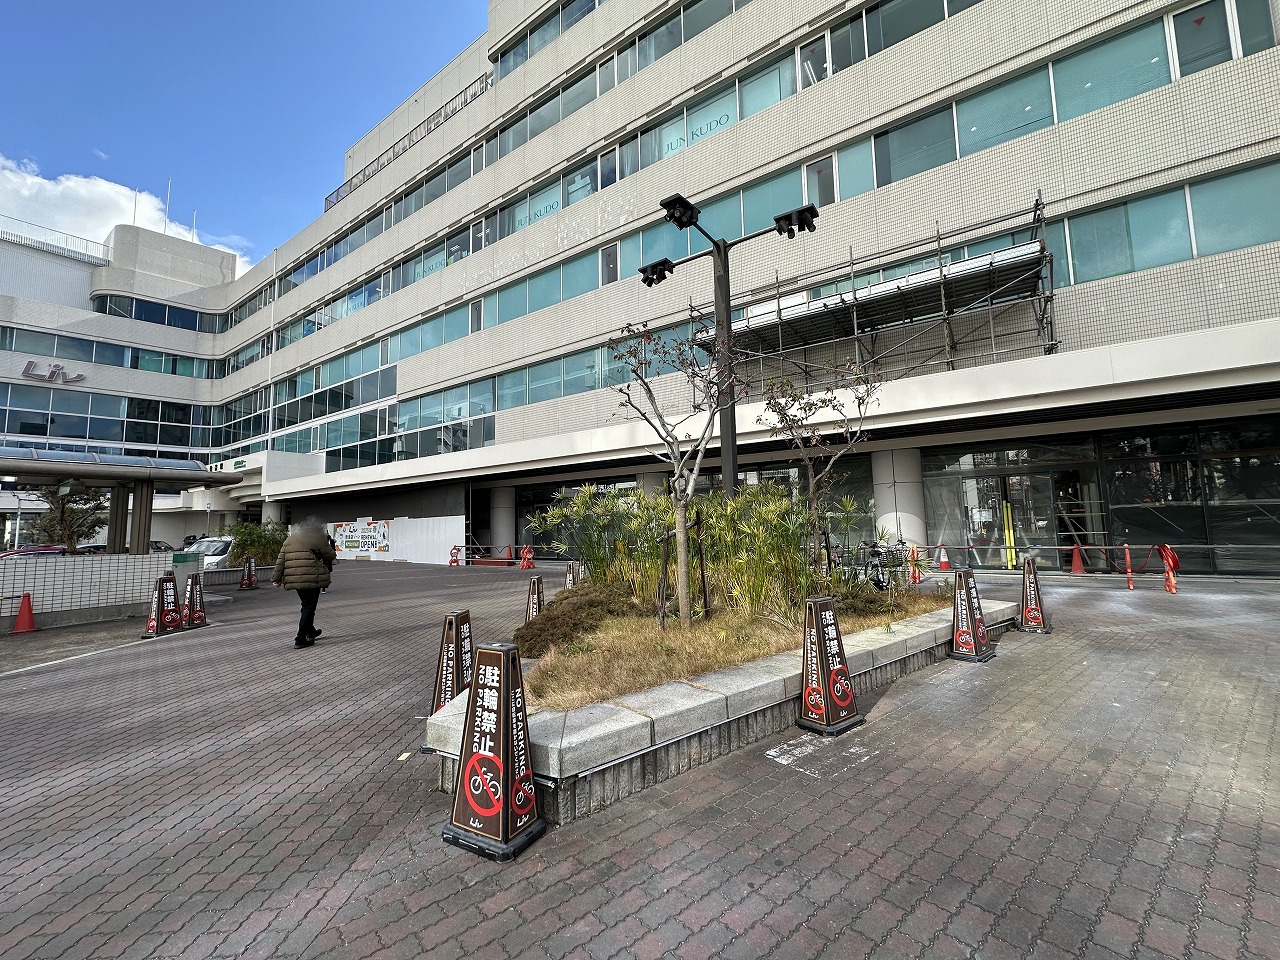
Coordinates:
(1051, 231)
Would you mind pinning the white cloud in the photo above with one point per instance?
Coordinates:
(89, 207)
(100, 155)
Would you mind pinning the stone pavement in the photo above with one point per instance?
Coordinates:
(1105, 791)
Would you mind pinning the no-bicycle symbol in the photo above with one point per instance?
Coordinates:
(813, 699)
(522, 793)
(841, 687)
(483, 778)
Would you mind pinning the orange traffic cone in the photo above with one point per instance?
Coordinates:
(1077, 562)
(26, 621)
(944, 562)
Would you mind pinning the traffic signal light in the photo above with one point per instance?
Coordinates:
(657, 271)
(799, 219)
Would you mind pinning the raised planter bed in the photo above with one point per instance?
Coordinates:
(586, 759)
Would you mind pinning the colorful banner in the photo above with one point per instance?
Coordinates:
(363, 537)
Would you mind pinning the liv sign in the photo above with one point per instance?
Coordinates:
(57, 373)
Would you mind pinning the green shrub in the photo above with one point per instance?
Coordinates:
(260, 541)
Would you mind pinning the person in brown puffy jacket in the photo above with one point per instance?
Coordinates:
(304, 564)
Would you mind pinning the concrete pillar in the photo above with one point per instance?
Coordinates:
(502, 516)
(898, 481)
(140, 535)
(653, 483)
(118, 520)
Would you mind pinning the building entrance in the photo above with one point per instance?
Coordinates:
(992, 521)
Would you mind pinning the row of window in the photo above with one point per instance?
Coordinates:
(62, 347)
(540, 34)
(1114, 70)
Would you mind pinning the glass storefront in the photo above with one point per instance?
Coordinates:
(1212, 491)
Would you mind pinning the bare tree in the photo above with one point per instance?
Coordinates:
(822, 419)
(647, 356)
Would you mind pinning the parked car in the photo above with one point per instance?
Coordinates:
(43, 550)
(214, 551)
(160, 546)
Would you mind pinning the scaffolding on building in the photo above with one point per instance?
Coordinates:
(936, 303)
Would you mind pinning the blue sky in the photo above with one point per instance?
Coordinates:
(248, 105)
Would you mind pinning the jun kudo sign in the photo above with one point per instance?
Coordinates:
(827, 705)
(495, 809)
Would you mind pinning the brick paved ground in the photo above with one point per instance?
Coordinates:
(1107, 791)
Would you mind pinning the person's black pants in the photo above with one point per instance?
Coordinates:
(307, 620)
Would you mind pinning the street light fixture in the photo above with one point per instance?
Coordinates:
(684, 215)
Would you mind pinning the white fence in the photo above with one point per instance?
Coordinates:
(82, 588)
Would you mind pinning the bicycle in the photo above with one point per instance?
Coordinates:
(881, 560)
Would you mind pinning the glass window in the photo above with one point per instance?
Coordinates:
(580, 372)
(29, 398)
(69, 401)
(813, 62)
(431, 409)
(918, 146)
(712, 116)
(513, 136)
(73, 348)
(848, 45)
(662, 141)
(820, 182)
(895, 20)
(513, 302)
(664, 239)
(1002, 113)
(459, 172)
(626, 62)
(857, 169)
(609, 264)
(576, 96)
(456, 323)
(581, 275)
(720, 218)
(29, 341)
(106, 429)
(544, 381)
(573, 11)
(119, 306)
(628, 157)
(148, 312)
(513, 58)
(703, 13)
(544, 289)
(605, 76)
(1158, 229)
(543, 117)
(764, 201)
(579, 184)
(1238, 210)
(955, 6)
(513, 217)
(1255, 26)
(458, 247)
(512, 388)
(1201, 37)
(544, 33)
(1100, 244)
(658, 42)
(545, 202)
(629, 261)
(182, 318)
(456, 403)
(767, 87)
(1120, 68)
(480, 397)
(103, 405)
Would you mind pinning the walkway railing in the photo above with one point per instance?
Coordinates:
(53, 241)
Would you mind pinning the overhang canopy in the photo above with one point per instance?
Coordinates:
(44, 467)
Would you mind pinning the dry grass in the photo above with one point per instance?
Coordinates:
(627, 654)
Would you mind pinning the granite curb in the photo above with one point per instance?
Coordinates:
(587, 758)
